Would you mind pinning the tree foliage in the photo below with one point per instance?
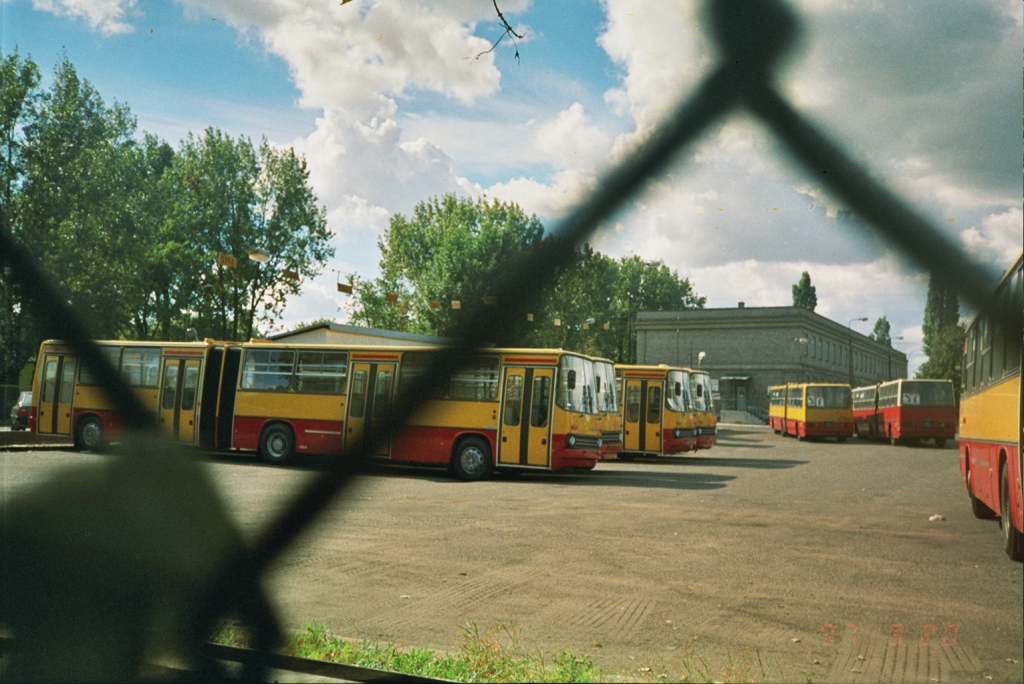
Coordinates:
(130, 228)
(943, 334)
(804, 294)
(882, 331)
(446, 251)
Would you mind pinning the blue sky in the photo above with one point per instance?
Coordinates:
(389, 107)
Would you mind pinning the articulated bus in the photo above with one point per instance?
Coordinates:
(608, 406)
(703, 404)
(280, 400)
(991, 419)
(810, 410)
(658, 416)
(906, 411)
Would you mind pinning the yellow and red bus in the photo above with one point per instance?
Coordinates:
(703, 404)
(658, 416)
(990, 427)
(906, 411)
(608, 406)
(511, 409)
(813, 410)
(168, 378)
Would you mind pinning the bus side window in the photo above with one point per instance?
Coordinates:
(513, 400)
(541, 401)
(188, 391)
(170, 385)
(49, 382)
(653, 404)
(67, 382)
(632, 403)
(382, 394)
(358, 401)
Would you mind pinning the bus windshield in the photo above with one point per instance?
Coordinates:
(698, 392)
(678, 391)
(828, 397)
(606, 400)
(917, 393)
(578, 398)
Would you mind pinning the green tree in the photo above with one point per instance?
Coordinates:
(443, 253)
(943, 334)
(81, 169)
(19, 81)
(449, 249)
(646, 286)
(224, 196)
(804, 294)
(882, 330)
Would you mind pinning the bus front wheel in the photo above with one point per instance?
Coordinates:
(1013, 539)
(472, 460)
(89, 435)
(277, 444)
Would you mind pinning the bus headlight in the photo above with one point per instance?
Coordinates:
(570, 441)
(599, 442)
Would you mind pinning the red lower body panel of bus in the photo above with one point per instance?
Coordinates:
(311, 436)
(678, 441)
(986, 461)
(819, 428)
(914, 423)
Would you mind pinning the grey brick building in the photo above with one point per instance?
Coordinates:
(747, 350)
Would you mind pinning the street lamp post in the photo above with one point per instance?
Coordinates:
(849, 353)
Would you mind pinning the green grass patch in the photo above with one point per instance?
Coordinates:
(491, 656)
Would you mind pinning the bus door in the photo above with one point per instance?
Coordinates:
(178, 398)
(525, 434)
(654, 411)
(633, 435)
(644, 401)
(370, 399)
(58, 392)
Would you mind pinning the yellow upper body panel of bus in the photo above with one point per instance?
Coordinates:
(798, 407)
(992, 414)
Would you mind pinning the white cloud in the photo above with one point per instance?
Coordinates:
(999, 239)
(661, 47)
(360, 54)
(549, 200)
(106, 16)
(369, 161)
(571, 143)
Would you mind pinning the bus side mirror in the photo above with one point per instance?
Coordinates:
(571, 380)
(679, 389)
(700, 390)
(597, 384)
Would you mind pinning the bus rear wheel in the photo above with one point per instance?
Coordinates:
(89, 435)
(1013, 539)
(277, 444)
(472, 460)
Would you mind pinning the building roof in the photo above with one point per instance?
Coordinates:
(756, 316)
(365, 331)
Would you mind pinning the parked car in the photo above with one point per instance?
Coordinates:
(19, 412)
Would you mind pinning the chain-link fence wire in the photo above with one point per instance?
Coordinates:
(152, 587)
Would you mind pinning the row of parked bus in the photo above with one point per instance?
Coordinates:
(529, 409)
(901, 411)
